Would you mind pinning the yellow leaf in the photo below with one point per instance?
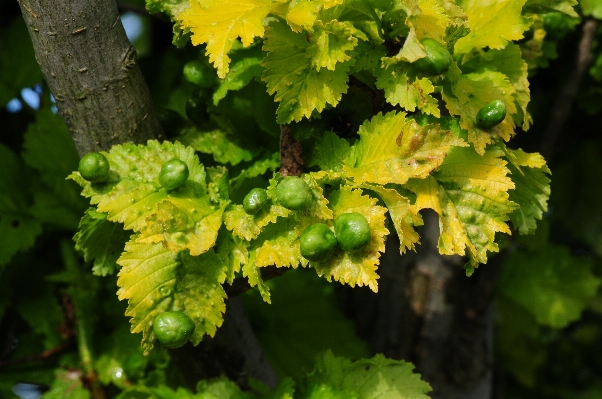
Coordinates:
(492, 23)
(219, 23)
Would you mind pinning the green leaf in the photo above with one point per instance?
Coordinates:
(18, 66)
(302, 321)
(470, 194)
(466, 94)
(377, 377)
(551, 284)
(220, 23)
(591, 7)
(18, 229)
(518, 341)
(223, 146)
(101, 241)
(154, 280)
(508, 61)
(49, 148)
(221, 388)
(240, 74)
(329, 152)
(393, 149)
(170, 7)
(299, 88)
(67, 385)
(356, 267)
(260, 167)
(408, 92)
(329, 45)
(532, 188)
(42, 311)
(564, 6)
(492, 24)
(121, 359)
(184, 218)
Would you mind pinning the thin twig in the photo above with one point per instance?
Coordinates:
(34, 358)
(565, 99)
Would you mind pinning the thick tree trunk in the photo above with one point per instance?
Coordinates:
(428, 312)
(92, 71)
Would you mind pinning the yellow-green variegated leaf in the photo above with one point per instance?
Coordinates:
(440, 20)
(220, 23)
(532, 188)
(300, 89)
(279, 244)
(356, 267)
(233, 253)
(402, 215)
(329, 44)
(253, 274)
(466, 94)
(178, 228)
(492, 23)
(393, 149)
(184, 218)
(155, 280)
(408, 92)
(470, 194)
(508, 61)
(247, 226)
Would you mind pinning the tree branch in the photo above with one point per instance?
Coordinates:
(92, 71)
(566, 97)
(291, 161)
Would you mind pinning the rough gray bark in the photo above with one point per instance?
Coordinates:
(428, 312)
(92, 71)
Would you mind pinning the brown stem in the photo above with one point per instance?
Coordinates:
(34, 358)
(566, 97)
(92, 70)
(291, 162)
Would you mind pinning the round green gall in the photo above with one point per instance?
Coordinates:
(173, 174)
(293, 193)
(352, 231)
(437, 60)
(94, 167)
(317, 242)
(173, 329)
(492, 114)
(255, 200)
(198, 73)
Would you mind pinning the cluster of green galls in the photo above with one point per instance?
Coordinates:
(438, 61)
(318, 241)
(173, 329)
(95, 168)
